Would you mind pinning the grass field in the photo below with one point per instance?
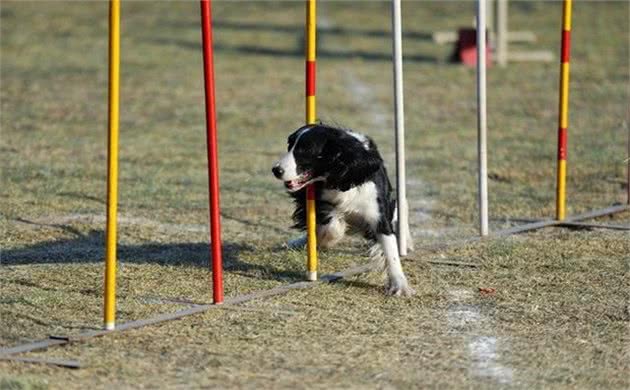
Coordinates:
(560, 315)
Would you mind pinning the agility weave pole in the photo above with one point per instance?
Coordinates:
(212, 149)
(310, 59)
(563, 115)
(109, 307)
(481, 119)
(399, 121)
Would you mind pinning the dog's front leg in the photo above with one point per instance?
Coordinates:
(397, 282)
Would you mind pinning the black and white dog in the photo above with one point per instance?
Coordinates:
(352, 190)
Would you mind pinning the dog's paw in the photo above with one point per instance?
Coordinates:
(399, 288)
(297, 243)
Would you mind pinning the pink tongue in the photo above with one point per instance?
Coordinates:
(295, 183)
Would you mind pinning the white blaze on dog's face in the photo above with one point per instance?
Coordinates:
(287, 163)
(297, 167)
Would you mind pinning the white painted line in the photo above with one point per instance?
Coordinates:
(467, 319)
(485, 360)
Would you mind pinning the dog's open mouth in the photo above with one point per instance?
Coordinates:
(302, 181)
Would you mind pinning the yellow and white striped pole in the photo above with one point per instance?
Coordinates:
(311, 230)
(563, 117)
(112, 164)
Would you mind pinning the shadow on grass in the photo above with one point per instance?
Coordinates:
(297, 31)
(82, 196)
(90, 248)
(321, 30)
(323, 33)
(298, 52)
(363, 285)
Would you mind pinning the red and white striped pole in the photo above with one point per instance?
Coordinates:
(213, 166)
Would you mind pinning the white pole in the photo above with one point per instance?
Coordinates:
(481, 117)
(399, 119)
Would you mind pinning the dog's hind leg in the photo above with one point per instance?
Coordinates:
(397, 282)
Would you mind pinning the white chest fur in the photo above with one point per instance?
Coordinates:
(358, 202)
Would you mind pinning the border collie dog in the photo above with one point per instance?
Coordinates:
(352, 191)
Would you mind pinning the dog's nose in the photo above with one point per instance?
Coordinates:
(277, 171)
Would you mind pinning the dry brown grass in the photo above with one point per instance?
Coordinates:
(558, 317)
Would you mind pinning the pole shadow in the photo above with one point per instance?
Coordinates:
(90, 248)
(298, 52)
(299, 29)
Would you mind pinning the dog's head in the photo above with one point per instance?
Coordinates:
(338, 157)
